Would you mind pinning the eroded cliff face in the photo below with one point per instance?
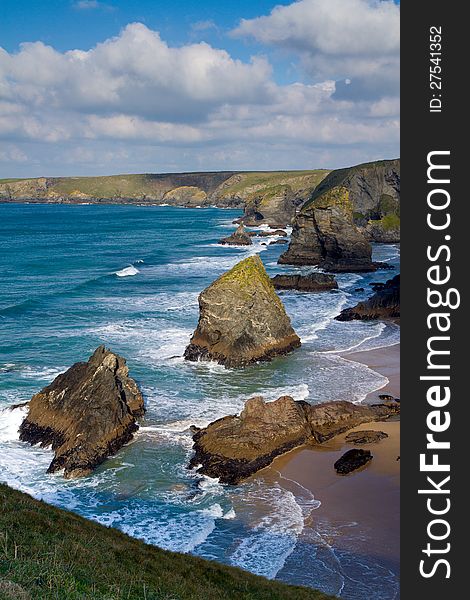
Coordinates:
(347, 210)
(235, 447)
(324, 235)
(86, 414)
(242, 320)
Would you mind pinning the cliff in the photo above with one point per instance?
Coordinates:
(267, 197)
(348, 209)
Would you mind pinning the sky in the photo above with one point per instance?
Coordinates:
(94, 88)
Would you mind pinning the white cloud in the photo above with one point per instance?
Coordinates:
(92, 5)
(337, 39)
(137, 101)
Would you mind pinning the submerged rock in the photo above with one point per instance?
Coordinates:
(241, 320)
(367, 436)
(384, 304)
(86, 414)
(313, 282)
(352, 460)
(235, 447)
(240, 237)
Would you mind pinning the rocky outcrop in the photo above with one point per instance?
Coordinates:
(352, 460)
(324, 235)
(271, 232)
(384, 304)
(186, 195)
(374, 191)
(235, 447)
(242, 320)
(275, 206)
(348, 209)
(313, 282)
(367, 436)
(86, 414)
(240, 237)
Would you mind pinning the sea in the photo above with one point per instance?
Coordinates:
(73, 277)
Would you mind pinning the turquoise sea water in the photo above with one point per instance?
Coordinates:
(74, 277)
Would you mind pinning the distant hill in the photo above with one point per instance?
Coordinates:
(267, 197)
(51, 554)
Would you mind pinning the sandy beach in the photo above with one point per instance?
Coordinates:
(359, 512)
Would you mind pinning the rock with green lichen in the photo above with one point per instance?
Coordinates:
(348, 209)
(242, 320)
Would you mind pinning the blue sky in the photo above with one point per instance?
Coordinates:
(90, 87)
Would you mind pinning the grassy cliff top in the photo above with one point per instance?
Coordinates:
(47, 553)
(338, 177)
(223, 184)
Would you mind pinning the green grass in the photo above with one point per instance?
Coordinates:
(47, 553)
(270, 179)
(138, 186)
(389, 222)
(336, 178)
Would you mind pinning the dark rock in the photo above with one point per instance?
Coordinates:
(273, 206)
(359, 290)
(278, 242)
(325, 236)
(347, 210)
(269, 233)
(367, 436)
(235, 447)
(352, 460)
(242, 320)
(239, 238)
(313, 282)
(86, 414)
(387, 398)
(384, 304)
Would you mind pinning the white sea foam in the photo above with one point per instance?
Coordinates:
(10, 421)
(42, 373)
(276, 521)
(127, 272)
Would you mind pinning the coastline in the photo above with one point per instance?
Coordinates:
(359, 513)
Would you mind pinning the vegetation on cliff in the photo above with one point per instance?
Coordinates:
(50, 554)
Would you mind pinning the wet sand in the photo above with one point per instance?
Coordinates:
(360, 510)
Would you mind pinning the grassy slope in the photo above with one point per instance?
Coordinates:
(135, 186)
(54, 554)
(337, 178)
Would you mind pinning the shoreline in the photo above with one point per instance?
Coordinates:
(361, 511)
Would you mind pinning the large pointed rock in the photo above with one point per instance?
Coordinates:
(86, 414)
(242, 320)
